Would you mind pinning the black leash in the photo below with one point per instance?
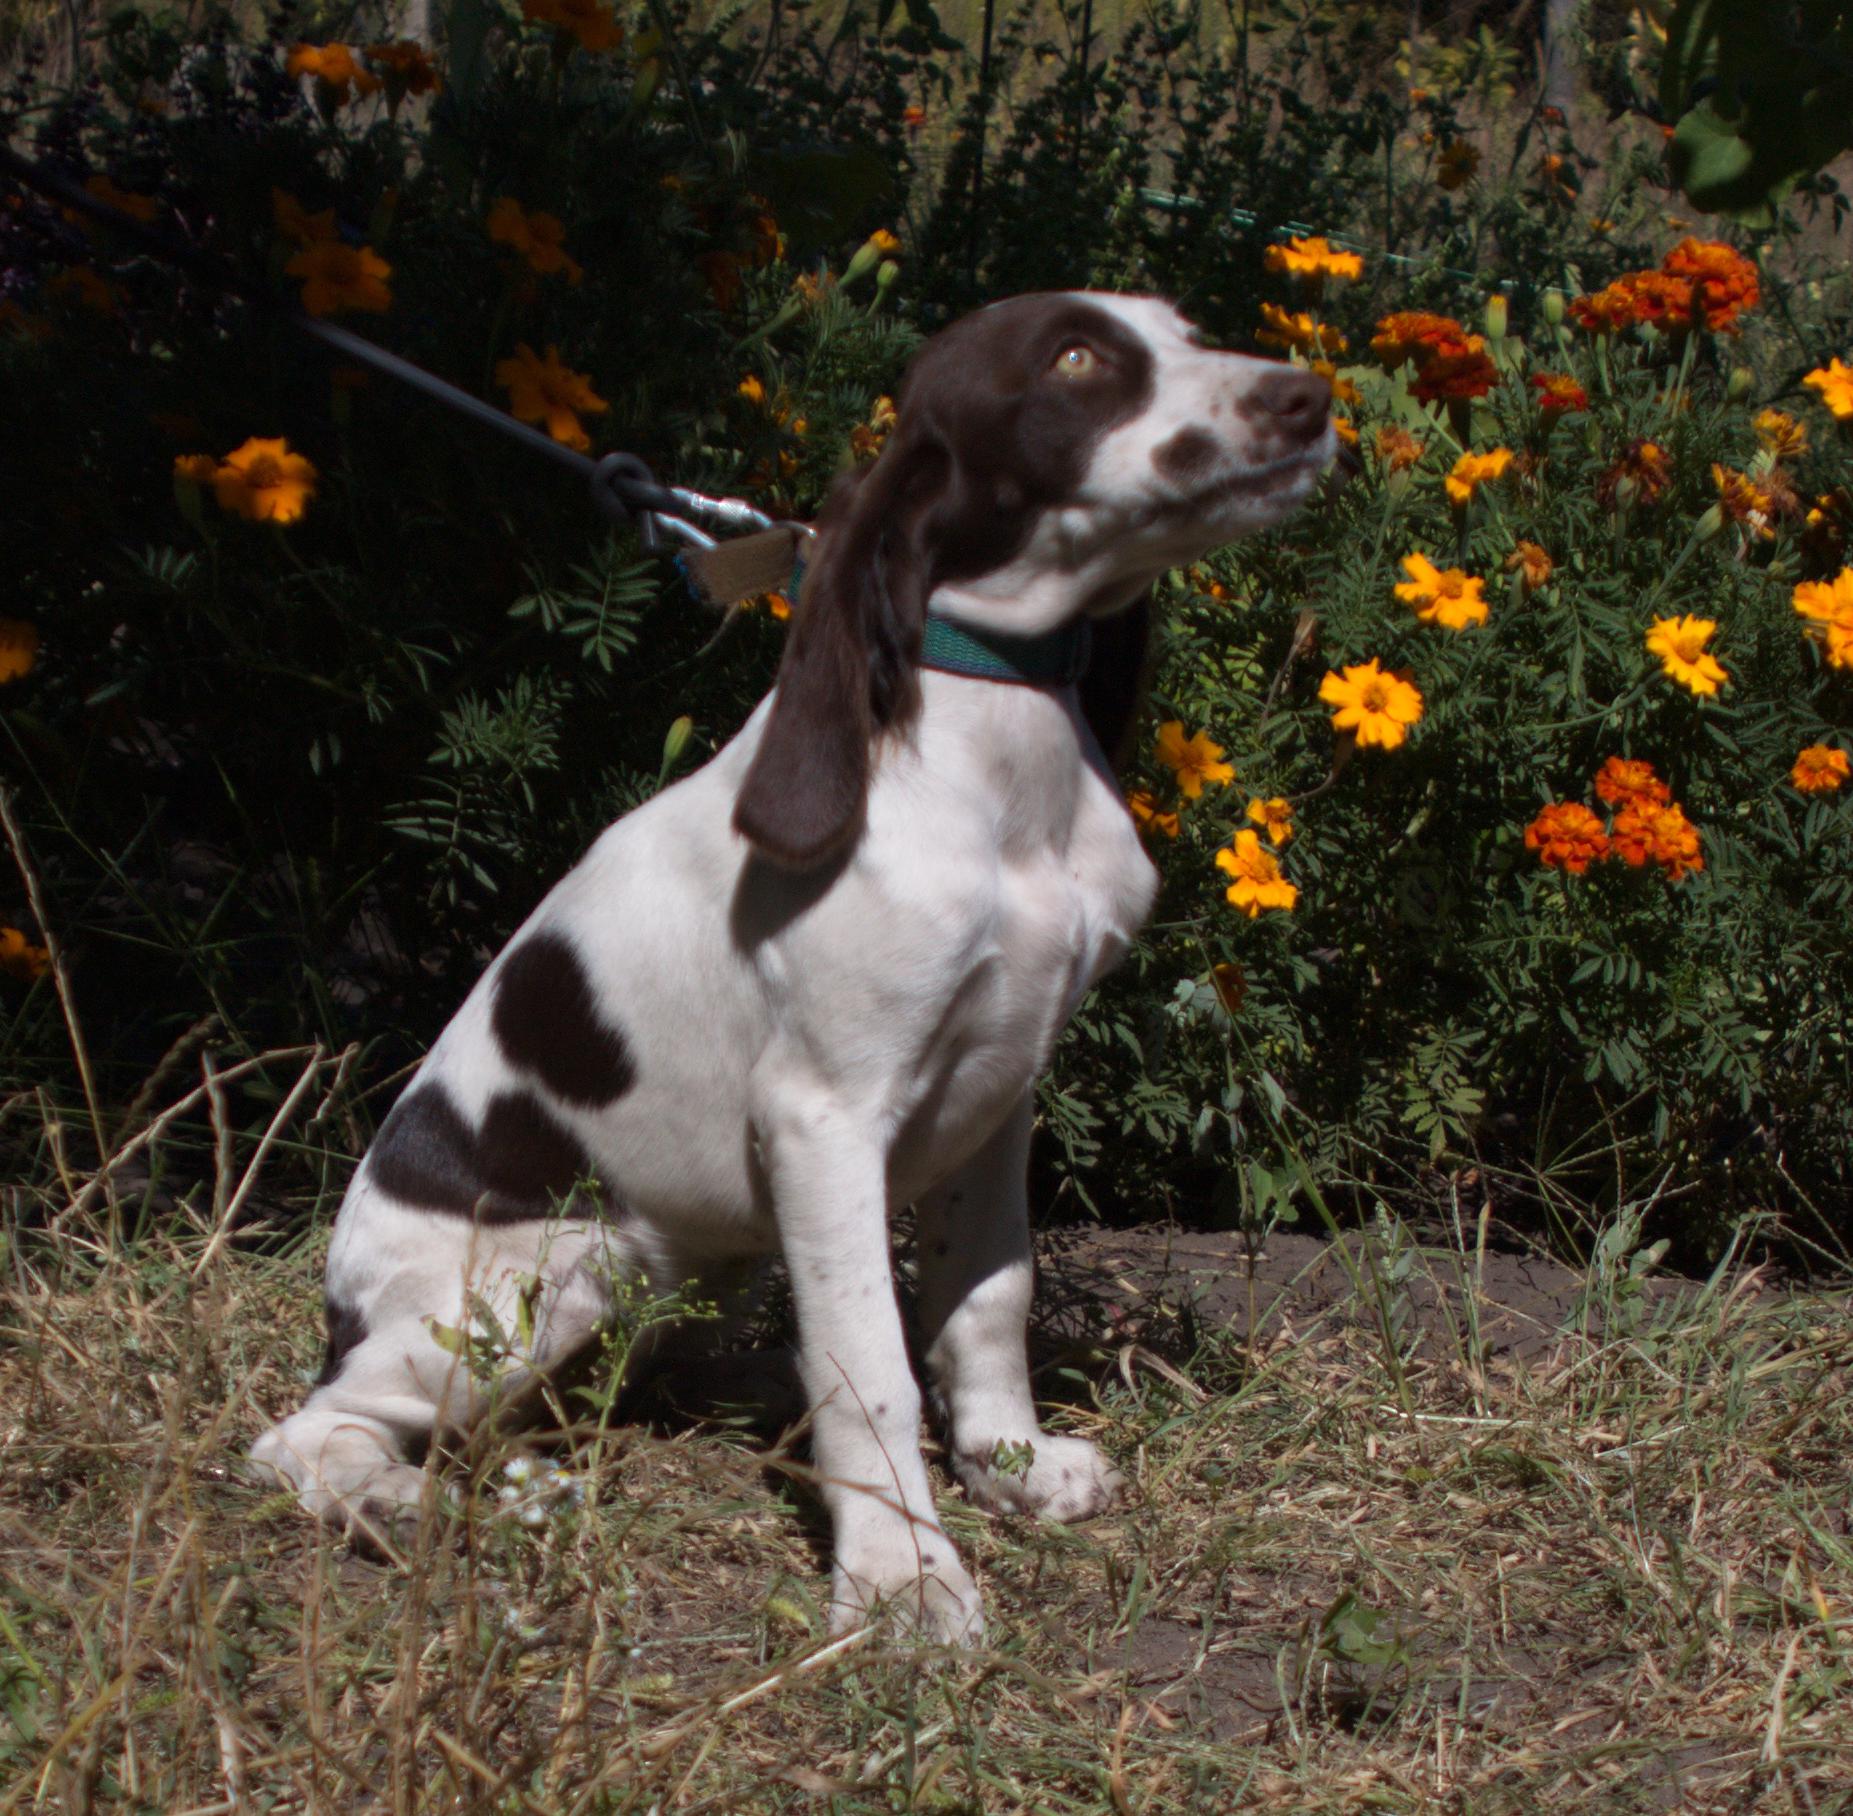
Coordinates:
(622, 485)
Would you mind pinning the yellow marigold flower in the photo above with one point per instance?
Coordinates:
(1680, 645)
(1258, 883)
(1148, 816)
(1820, 769)
(1834, 381)
(124, 201)
(1343, 390)
(1193, 760)
(20, 958)
(1297, 332)
(544, 391)
(264, 481)
(337, 277)
(1376, 705)
(1743, 501)
(753, 389)
(1621, 780)
(19, 649)
(538, 237)
(885, 243)
(406, 68)
(1397, 449)
(1345, 429)
(1532, 564)
(337, 71)
(1274, 816)
(883, 416)
(1829, 604)
(195, 469)
(294, 222)
(1567, 836)
(1449, 597)
(1658, 832)
(1780, 434)
(594, 26)
(1313, 260)
(775, 603)
(1457, 164)
(1472, 471)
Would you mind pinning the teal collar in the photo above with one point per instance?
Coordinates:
(1055, 659)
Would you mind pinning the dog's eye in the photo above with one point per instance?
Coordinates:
(1075, 361)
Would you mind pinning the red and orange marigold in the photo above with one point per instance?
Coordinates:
(1567, 836)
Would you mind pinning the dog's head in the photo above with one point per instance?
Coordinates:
(1054, 454)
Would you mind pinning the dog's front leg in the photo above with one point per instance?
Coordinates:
(826, 1164)
(975, 1277)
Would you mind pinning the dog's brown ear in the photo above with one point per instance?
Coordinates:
(848, 673)
(1112, 686)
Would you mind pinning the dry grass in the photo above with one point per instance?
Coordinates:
(1372, 1560)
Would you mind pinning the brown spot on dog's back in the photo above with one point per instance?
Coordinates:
(1189, 456)
(547, 1021)
(521, 1163)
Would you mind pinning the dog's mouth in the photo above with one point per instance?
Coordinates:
(1263, 480)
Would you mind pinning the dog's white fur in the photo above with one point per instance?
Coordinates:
(812, 1050)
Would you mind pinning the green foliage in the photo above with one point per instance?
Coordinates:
(308, 774)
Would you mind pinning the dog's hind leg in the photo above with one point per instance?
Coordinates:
(428, 1344)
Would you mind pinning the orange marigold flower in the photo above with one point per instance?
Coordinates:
(1193, 760)
(1343, 390)
(1624, 779)
(538, 237)
(1297, 332)
(337, 277)
(405, 68)
(20, 958)
(1412, 334)
(1743, 501)
(1472, 471)
(1345, 429)
(1449, 597)
(124, 201)
(1397, 449)
(264, 482)
(1532, 564)
(1657, 832)
(1313, 260)
(294, 222)
(1449, 361)
(1820, 769)
(1258, 883)
(1274, 816)
(1680, 644)
(1559, 394)
(19, 649)
(913, 116)
(1567, 836)
(195, 469)
(1834, 382)
(1148, 816)
(1778, 433)
(1828, 604)
(595, 27)
(1639, 477)
(337, 71)
(1374, 704)
(1723, 282)
(544, 391)
(1457, 164)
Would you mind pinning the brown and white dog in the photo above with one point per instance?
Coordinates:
(818, 978)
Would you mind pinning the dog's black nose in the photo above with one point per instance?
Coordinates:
(1298, 401)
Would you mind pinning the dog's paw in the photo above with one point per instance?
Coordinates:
(921, 1587)
(1057, 1478)
(353, 1484)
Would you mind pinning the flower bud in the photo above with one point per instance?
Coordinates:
(677, 742)
(886, 273)
(1497, 316)
(1553, 307)
(1740, 384)
(1709, 524)
(868, 255)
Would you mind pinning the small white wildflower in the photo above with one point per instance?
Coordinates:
(519, 1470)
(508, 1494)
(532, 1514)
